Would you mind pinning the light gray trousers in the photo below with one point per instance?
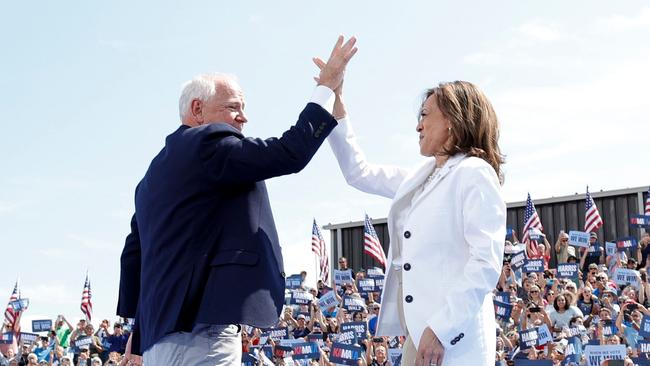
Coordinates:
(206, 345)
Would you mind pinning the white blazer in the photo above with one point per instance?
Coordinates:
(451, 247)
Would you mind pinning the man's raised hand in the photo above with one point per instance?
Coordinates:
(332, 71)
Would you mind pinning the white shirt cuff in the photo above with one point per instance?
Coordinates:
(324, 97)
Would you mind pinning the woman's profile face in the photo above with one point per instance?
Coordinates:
(432, 127)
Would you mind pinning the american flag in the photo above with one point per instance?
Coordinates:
(647, 203)
(319, 247)
(592, 217)
(531, 220)
(86, 297)
(371, 243)
(10, 314)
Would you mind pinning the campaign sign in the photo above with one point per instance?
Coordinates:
(609, 328)
(640, 361)
(517, 260)
(366, 285)
(579, 239)
(328, 300)
(277, 334)
(644, 346)
(29, 337)
(248, 359)
(301, 297)
(349, 337)
(640, 221)
(304, 350)
(502, 310)
(83, 341)
(543, 335)
(610, 248)
(344, 354)
(625, 243)
(293, 282)
(351, 303)
(572, 352)
(535, 234)
(502, 296)
(375, 271)
(41, 325)
(644, 330)
(20, 304)
(528, 338)
(623, 276)
(574, 331)
(597, 354)
(6, 338)
(341, 277)
(282, 351)
(379, 282)
(360, 328)
(395, 356)
(533, 265)
(567, 270)
(316, 338)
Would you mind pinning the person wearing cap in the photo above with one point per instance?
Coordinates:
(608, 300)
(592, 254)
(300, 327)
(562, 248)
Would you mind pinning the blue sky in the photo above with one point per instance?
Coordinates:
(89, 90)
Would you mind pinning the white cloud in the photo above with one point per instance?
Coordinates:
(623, 23)
(538, 31)
(7, 207)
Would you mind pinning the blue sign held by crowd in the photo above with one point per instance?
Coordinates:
(351, 303)
(528, 338)
(609, 328)
(567, 270)
(517, 260)
(41, 325)
(360, 328)
(502, 310)
(502, 296)
(533, 265)
(300, 297)
(366, 285)
(305, 350)
(572, 352)
(293, 282)
(640, 221)
(6, 338)
(625, 243)
(644, 346)
(345, 354)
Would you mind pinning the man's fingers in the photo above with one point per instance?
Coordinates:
(319, 62)
(349, 44)
(337, 46)
(350, 54)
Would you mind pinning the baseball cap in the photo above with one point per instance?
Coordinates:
(593, 235)
(301, 316)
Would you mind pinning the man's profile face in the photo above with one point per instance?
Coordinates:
(226, 106)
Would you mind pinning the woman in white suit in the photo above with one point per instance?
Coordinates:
(447, 225)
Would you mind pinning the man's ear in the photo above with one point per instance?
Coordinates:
(196, 109)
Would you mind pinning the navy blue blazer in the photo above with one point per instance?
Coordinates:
(203, 247)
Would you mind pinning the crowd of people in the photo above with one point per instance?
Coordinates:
(335, 322)
(65, 344)
(604, 303)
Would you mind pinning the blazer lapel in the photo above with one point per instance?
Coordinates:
(449, 165)
(415, 180)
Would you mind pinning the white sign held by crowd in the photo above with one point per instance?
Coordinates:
(597, 354)
(579, 238)
(328, 300)
(623, 276)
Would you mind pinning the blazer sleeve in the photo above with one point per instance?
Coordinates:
(381, 180)
(484, 230)
(129, 292)
(230, 159)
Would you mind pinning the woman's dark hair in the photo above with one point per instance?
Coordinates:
(567, 301)
(474, 124)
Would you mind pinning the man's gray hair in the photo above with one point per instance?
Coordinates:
(201, 87)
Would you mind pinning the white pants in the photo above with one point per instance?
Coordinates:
(206, 345)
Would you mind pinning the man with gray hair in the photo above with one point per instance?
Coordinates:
(203, 255)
